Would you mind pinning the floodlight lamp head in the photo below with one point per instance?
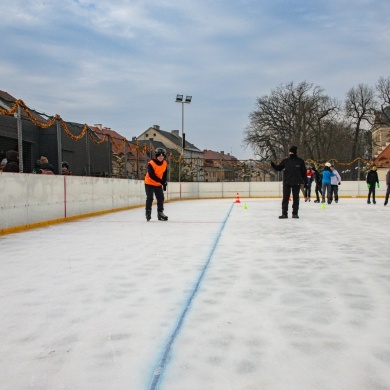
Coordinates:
(179, 98)
(188, 99)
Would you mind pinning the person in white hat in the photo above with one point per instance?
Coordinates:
(327, 183)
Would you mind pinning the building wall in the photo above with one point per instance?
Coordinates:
(84, 156)
(380, 139)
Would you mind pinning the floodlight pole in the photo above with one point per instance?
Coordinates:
(187, 100)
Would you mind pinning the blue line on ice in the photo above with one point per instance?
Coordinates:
(160, 368)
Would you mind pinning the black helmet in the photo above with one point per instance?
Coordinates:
(160, 151)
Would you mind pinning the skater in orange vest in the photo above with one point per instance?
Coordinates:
(156, 183)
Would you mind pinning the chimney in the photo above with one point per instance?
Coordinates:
(175, 133)
(156, 127)
(222, 152)
(99, 126)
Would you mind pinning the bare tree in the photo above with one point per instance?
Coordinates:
(290, 115)
(360, 110)
(383, 92)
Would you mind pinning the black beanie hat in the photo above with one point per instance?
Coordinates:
(293, 150)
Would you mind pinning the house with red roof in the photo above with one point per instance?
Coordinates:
(381, 142)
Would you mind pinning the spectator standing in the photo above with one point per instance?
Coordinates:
(65, 169)
(294, 176)
(388, 187)
(372, 180)
(335, 181)
(45, 168)
(326, 183)
(2, 164)
(12, 165)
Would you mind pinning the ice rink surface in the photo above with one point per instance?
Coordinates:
(220, 297)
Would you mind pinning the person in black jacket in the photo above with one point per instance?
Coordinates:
(293, 176)
(388, 187)
(318, 180)
(372, 180)
(12, 161)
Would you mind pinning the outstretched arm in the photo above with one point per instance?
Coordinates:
(278, 167)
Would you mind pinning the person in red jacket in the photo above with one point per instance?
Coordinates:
(156, 183)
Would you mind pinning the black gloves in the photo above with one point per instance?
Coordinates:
(339, 183)
(165, 186)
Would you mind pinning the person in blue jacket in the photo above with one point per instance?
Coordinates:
(327, 183)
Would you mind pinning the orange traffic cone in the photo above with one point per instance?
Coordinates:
(238, 198)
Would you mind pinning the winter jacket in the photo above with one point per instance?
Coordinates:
(327, 176)
(12, 161)
(336, 179)
(317, 177)
(156, 174)
(310, 176)
(372, 177)
(294, 170)
(388, 177)
(45, 169)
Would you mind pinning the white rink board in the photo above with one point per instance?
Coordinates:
(28, 199)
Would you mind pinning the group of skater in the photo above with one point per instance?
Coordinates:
(297, 177)
(326, 183)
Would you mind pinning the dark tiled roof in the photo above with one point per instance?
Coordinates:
(177, 140)
(5, 96)
(9, 101)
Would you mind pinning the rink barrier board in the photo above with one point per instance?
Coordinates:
(31, 201)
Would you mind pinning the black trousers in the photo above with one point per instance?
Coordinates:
(334, 190)
(308, 189)
(287, 190)
(371, 192)
(318, 190)
(158, 191)
(387, 194)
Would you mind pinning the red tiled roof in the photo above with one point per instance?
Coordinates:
(116, 140)
(383, 159)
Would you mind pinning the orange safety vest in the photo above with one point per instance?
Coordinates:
(158, 170)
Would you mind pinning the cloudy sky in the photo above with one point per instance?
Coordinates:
(121, 63)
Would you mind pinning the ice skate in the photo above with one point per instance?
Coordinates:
(148, 215)
(161, 216)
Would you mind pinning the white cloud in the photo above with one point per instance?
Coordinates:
(121, 63)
